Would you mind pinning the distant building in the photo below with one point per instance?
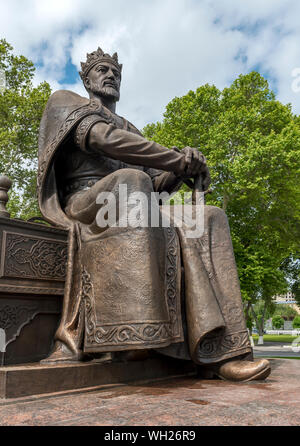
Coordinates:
(287, 299)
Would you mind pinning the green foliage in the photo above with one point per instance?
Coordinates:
(277, 322)
(252, 145)
(262, 310)
(21, 108)
(296, 322)
(286, 312)
(250, 323)
(291, 269)
(277, 338)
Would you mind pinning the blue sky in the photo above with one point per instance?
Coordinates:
(167, 47)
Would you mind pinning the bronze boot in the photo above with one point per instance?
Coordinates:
(242, 371)
(61, 354)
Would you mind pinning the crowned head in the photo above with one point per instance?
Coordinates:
(101, 74)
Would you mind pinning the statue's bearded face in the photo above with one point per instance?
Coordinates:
(104, 79)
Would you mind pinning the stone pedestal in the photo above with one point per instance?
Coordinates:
(37, 379)
(32, 275)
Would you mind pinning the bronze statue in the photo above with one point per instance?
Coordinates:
(135, 289)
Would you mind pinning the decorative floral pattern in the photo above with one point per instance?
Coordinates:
(15, 315)
(83, 129)
(33, 257)
(220, 345)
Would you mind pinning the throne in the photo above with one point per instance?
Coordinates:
(32, 275)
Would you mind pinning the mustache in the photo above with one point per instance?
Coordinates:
(110, 83)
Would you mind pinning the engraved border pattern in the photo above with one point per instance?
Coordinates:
(216, 346)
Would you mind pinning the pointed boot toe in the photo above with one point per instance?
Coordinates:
(243, 371)
(61, 355)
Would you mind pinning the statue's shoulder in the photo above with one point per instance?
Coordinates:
(58, 109)
(66, 98)
(130, 127)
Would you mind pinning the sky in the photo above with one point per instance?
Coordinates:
(167, 47)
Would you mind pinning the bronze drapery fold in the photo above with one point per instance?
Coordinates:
(214, 311)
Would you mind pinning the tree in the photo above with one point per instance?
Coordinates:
(291, 268)
(277, 322)
(261, 311)
(21, 108)
(286, 312)
(296, 322)
(250, 324)
(252, 145)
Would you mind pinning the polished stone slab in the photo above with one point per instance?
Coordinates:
(185, 401)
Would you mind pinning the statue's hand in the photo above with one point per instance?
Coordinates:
(196, 165)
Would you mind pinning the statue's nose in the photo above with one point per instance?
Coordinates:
(110, 75)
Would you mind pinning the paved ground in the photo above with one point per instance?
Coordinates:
(175, 402)
(275, 349)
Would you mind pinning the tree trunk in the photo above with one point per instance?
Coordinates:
(260, 324)
(260, 338)
(261, 327)
(247, 308)
(225, 202)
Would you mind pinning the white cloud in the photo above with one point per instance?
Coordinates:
(167, 46)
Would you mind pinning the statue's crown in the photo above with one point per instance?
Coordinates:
(94, 58)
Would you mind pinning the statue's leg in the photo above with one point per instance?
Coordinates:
(86, 207)
(213, 297)
(83, 206)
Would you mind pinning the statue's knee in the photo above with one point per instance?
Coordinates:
(136, 177)
(215, 213)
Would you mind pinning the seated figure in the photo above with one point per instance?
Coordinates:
(131, 290)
